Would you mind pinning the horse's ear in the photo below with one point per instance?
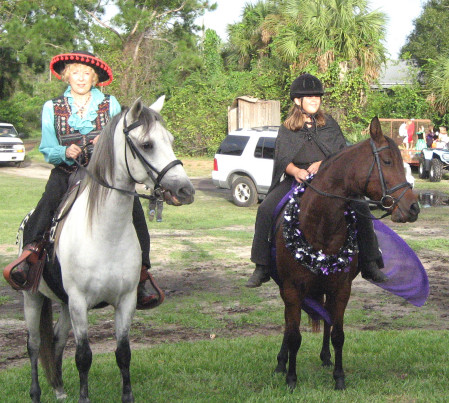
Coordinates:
(157, 106)
(375, 130)
(136, 109)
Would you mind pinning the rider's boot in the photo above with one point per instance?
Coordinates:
(370, 271)
(146, 299)
(20, 273)
(261, 274)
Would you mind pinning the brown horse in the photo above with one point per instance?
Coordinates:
(371, 168)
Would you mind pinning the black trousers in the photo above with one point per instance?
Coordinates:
(261, 248)
(56, 187)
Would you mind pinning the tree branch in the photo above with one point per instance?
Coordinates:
(103, 24)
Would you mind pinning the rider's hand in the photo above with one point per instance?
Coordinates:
(73, 151)
(313, 168)
(299, 174)
(94, 141)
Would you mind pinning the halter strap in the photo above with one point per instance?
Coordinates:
(136, 153)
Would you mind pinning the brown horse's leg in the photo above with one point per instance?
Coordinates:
(325, 354)
(282, 357)
(292, 335)
(338, 337)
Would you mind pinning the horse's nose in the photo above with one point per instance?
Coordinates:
(414, 211)
(186, 193)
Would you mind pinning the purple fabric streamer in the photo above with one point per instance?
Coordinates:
(407, 277)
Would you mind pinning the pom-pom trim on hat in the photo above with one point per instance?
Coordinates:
(104, 72)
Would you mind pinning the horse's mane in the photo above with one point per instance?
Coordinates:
(102, 164)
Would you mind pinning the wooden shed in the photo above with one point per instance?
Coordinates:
(246, 112)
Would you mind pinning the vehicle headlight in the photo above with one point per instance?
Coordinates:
(19, 148)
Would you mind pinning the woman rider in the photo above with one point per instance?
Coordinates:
(70, 122)
(307, 136)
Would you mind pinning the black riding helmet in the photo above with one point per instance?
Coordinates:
(306, 85)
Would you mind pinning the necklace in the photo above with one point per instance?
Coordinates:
(315, 260)
(81, 108)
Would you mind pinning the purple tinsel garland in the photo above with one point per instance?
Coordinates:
(315, 260)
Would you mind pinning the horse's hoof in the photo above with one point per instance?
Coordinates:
(326, 363)
(280, 369)
(291, 383)
(340, 384)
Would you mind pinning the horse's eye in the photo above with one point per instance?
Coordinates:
(387, 162)
(147, 146)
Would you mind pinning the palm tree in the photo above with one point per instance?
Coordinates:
(246, 38)
(344, 30)
(438, 84)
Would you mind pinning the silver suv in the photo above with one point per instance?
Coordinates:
(244, 164)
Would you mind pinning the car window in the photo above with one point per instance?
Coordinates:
(233, 145)
(265, 148)
(7, 131)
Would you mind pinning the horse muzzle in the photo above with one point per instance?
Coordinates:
(184, 195)
(403, 214)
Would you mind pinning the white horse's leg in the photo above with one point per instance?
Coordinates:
(123, 317)
(32, 309)
(83, 354)
(61, 332)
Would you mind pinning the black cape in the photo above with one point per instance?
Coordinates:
(301, 145)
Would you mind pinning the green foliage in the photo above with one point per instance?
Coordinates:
(197, 112)
(213, 63)
(430, 37)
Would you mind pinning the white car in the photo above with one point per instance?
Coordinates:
(244, 164)
(11, 146)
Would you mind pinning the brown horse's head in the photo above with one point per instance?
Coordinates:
(386, 180)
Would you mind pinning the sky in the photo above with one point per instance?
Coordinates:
(400, 13)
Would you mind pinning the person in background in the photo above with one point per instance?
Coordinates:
(306, 137)
(403, 133)
(70, 123)
(410, 133)
(420, 143)
(430, 137)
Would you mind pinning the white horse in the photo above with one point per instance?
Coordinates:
(98, 249)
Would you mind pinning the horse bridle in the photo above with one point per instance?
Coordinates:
(387, 201)
(150, 169)
(158, 189)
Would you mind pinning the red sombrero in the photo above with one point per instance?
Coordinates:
(104, 72)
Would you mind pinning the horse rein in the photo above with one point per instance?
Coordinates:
(387, 201)
(136, 153)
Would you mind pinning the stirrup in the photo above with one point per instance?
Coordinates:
(35, 256)
(152, 301)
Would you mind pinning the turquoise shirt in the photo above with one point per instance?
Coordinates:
(54, 153)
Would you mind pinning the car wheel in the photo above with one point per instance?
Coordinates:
(422, 173)
(244, 192)
(436, 170)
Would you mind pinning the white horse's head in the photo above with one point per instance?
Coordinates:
(149, 153)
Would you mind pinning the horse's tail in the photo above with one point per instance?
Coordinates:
(315, 324)
(47, 347)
